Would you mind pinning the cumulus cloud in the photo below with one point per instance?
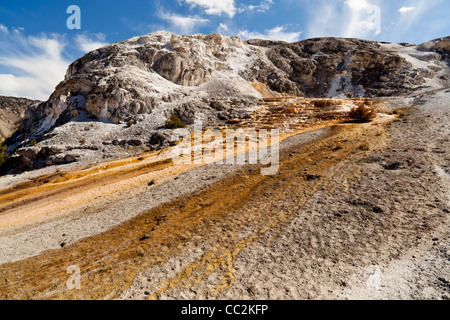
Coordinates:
(182, 24)
(87, 44)
(4, 29)
(404, 10)
(349, 18)
(364, 19)
(215, 7)
(317, 13)
(277, 33)
(357, 5)
(223, 28)
(31, 66)
(262, 7)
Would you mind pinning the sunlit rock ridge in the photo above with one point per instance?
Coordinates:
(151, 77)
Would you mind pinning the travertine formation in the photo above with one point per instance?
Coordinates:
(12, 111)
(213, 78)
(441, 45)
(354, 211)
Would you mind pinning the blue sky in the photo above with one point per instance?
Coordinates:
(36, 46)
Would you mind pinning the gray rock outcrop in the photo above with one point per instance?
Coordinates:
(145, 80)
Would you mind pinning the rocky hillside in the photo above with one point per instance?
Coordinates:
(356, 210)
(12, 110)
(145, 80)
(441, 46)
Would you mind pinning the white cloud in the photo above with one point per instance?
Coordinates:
(357, 5)
(3, 29)
(87, 44)
(404, 10)
(364, 19)
(277, 33)
(408, 26)
(349, 18)
(182, 24)
(323, 19)
(32, 66)
(215, 7)
(262, 7)
(223, 29)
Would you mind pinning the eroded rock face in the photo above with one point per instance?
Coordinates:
(150, 76)
(441, 45)
(37, 157)
(203, 77)
(330, 66)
